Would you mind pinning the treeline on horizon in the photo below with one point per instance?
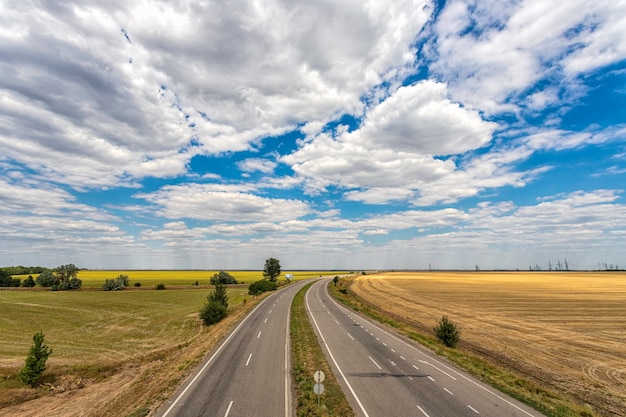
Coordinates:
(24, 270)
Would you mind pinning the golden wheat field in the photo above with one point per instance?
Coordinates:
(567, 329)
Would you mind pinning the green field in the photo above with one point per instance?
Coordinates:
(150, 278)
(99, 326)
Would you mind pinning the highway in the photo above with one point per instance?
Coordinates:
(383, 374)
(249, 373)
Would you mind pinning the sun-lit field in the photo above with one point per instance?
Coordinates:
(100, 325)
(566, 329)
(150, 278)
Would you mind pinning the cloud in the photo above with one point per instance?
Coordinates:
(264, 166)
(493, 53)
(221, 203)
(197, 78)
(393, 153)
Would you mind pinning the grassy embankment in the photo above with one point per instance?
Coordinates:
(308, 357)
(517, 385)
(114, 353)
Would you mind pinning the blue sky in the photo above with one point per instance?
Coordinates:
(327, 134)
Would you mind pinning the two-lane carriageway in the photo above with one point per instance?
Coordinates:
(249, 373)
(386, 375)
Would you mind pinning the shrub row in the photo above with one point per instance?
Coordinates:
(261, 286)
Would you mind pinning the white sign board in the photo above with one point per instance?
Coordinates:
(319, 376)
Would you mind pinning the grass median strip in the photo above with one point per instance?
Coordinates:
(308, 357)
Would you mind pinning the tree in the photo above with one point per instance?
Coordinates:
(223, 277)
(67, 277)
(35, 362)
(272, 269)
(7, 281)
(447, 332)
(45, 279)
(216, 306)
(119, 283)
(29, 282)
(336, 280)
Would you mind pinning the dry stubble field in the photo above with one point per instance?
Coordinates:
(567, 330)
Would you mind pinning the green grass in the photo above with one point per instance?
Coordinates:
(97, 326)
(308, 357)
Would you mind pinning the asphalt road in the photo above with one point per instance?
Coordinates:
(384, 374)
(249, 373)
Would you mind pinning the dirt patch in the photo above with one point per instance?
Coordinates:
(564, 330)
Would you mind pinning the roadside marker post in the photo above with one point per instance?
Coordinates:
(318, 388)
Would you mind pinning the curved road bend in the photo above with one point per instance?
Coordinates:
(386, 375)
(249, 373)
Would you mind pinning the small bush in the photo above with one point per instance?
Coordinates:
(223, 277)
(160, 286)
(212, 312)
(216, 306)
(261, 286)
(35, 361)
(137, 284)
(447, 332)
(29, 282)
(119, 283)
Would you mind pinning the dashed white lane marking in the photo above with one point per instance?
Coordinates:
(350, 336)
(415, 367)
(402, 357)
(384, 344)
(423, 412)
(431, 378)
(375, 362)
(265, 320)
(259, 335)
(248, 361)
(336, 321)
(473, 409)
(393, 351)
(270, 312)
(228, 409)
(448, 391)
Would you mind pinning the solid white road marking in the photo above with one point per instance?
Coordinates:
(440, 370)
(423, 412)
(333, 358)
(375, 362)
(248, 361)
(473, 409)
(228, 409)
